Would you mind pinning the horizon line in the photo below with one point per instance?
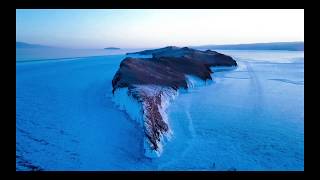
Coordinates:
(270, 42)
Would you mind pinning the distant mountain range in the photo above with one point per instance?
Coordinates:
(290, 46)
(27, 45)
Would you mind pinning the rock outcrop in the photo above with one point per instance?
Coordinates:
(150, 81)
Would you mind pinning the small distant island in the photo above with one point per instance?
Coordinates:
(111, 48)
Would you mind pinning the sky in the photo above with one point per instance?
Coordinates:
(141, 28)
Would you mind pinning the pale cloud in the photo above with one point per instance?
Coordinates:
(154, 28)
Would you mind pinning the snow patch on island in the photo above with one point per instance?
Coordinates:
(124, 101)
(147, 104)
(194, 81)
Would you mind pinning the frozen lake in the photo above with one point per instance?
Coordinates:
(248, 118)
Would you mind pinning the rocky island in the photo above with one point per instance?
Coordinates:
(150, 83)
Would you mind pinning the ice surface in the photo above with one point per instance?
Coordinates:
(247, 118)
(35, 54)
(243, 121)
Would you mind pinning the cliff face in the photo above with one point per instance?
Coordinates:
(161, 71)
(165, 72)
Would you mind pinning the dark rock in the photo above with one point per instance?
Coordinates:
(155, 123)
(232, 169)
(213, 165)
(211, 58)
(161, 71)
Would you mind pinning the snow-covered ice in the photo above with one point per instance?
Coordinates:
(247, 118)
